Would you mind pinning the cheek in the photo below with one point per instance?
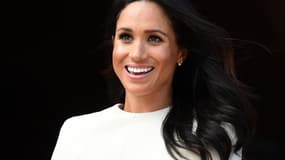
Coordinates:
(167, 59)
(167, 56)
(118, 53)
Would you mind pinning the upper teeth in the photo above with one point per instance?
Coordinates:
(139, 70)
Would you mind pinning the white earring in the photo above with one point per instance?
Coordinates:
(179, 63)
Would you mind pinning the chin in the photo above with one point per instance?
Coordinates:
(138, 91)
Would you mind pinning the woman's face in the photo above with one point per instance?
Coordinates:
(145, 53)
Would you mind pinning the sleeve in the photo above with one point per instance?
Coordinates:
(236, 156)
(233, 155)
(67, 142)
(231, 132)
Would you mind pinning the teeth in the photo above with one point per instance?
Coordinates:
(139, 70)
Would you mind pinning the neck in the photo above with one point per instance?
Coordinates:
(147, 103)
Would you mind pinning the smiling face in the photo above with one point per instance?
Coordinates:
(145, 52)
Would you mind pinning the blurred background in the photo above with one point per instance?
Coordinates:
(54, 70)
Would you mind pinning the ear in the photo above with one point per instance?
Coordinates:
(113, 38)
(182, 55)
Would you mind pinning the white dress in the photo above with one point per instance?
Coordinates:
(114, 134)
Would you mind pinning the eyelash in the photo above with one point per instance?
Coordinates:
(154, 39)
(125, 37)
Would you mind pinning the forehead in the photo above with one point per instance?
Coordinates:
(144, 14)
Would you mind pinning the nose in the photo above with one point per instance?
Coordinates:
(138, 51)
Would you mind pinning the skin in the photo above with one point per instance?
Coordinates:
(145, 39)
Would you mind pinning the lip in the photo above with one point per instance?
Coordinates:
(138, 67)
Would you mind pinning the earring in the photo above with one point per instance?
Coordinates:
(180, 63)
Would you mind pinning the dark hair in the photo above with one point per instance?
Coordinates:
(205, 87)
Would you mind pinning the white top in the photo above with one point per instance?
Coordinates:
(114, 134)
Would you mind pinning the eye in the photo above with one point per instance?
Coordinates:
(125, 37)
(154, 39)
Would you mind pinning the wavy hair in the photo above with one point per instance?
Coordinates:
(205, 87)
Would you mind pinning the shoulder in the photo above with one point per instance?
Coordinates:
(76, 131)
(86, 121)
(78, 128)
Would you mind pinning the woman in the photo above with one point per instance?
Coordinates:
(181, 97)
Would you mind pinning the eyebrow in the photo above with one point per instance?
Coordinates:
(146, 31)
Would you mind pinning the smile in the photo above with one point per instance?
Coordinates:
(139, 70)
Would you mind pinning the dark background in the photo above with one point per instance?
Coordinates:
(54, 69)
